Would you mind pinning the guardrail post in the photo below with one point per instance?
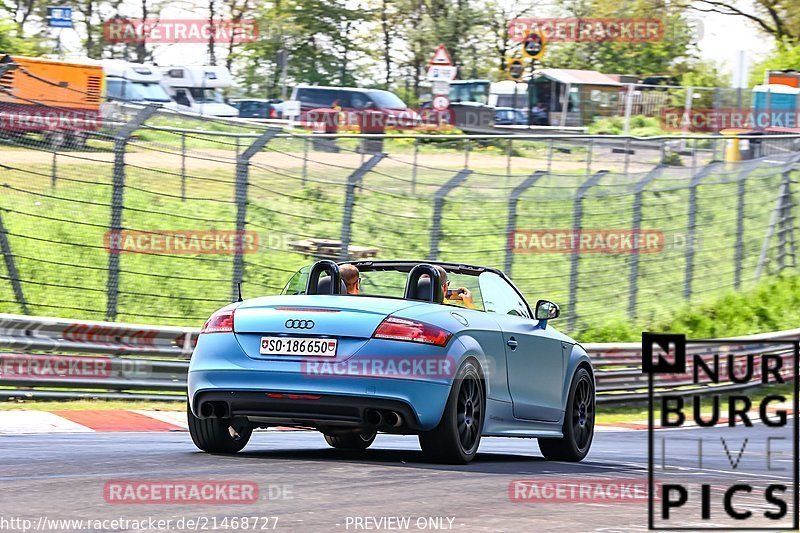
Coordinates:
(577, 221)
(637, 224)
(738, 253)
(11, 267)
(691, 225)
(242, 172)
(121, 139)
(438, 204)
(513, 200)
(353, 180)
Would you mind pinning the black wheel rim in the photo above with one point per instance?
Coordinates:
(470, 413)
(583, 413)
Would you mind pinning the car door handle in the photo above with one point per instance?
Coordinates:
(512, 343)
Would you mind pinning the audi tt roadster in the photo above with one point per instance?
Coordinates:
(445, 351)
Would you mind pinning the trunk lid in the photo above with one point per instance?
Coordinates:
(350, 320)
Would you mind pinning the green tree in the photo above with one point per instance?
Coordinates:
(785, 56)
(320, 37)
(12, 43)
(619, 57)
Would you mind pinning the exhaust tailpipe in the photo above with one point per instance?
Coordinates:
(221, 410)
(206, 410)
(373, 417)
(393, 419)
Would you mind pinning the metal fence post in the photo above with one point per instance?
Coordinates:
(54, 168)
(589, 152)
(565, 104)
(414, 167)
(577, 221)
(691, 226)
(11, 267)
(115, 226)
(511, 226)
(438, 204)
(776, 217)
(628, 108)
(637, 224)
(786, 244)
(627, 155)
(305, 162)
(353, 180)
(509, 149)
(242, 174)
(738, 253)
(183, 166)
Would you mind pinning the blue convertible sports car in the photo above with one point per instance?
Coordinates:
(401, 352)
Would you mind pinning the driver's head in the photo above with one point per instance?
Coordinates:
(351, 278)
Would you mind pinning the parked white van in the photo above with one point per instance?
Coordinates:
(198, 89)
(135, 83)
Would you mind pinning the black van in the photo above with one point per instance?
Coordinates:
(350, 98)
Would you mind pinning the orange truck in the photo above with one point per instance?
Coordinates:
(57, 99)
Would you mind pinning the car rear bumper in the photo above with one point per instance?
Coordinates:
(341, 401)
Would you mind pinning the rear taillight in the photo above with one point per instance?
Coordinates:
(220, 322)
(273, 113)
(403, 329)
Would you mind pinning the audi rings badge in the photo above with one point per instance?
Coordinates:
(299, 324)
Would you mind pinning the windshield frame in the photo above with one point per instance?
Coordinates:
(406, 266)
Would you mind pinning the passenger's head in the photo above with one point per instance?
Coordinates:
(443, 279)
(351, 278)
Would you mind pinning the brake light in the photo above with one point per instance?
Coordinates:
(273, 113)
(403, 329)
(220, 322)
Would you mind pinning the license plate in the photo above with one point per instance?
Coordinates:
(298, 346)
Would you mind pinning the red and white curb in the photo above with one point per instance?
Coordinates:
(92, 420)
(120, 420)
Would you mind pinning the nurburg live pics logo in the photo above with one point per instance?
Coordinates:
(727, 458)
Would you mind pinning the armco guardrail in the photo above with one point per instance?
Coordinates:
(46, 358)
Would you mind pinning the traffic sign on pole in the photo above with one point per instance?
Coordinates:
(534, 44)
(440, 103)
(441, 57)
(437, 73)
(515, 68)
(59, 17)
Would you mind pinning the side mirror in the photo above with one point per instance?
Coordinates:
(546, 310)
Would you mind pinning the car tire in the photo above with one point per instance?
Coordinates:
(457, 437)
(218, 435)
(351, 441)
(578, 425)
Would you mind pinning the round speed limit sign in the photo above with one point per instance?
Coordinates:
(440, 103)
(533, 45)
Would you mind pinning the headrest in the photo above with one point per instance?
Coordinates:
(423, 289)
(324, 286)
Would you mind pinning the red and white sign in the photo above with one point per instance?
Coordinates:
(441, 57)
(440, 103)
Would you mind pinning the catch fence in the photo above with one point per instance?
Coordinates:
(107, 226)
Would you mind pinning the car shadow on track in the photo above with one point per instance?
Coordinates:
(484, 463)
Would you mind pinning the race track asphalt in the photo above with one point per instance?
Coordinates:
(311, 487)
